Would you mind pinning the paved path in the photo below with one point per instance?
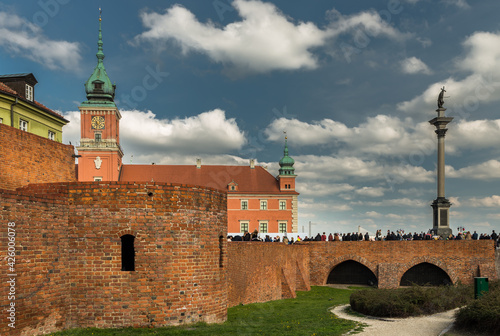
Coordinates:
(431, 325)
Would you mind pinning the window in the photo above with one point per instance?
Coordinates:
(221, 251)
(263, 205)
(244, 205)
(29, 92)
(97, 178)
(282, 227)
(98, 86)
(1, 120)
(263, 227)
(128, 253)
(282, 205)
(243, 227)
(52, 135)
(233, 188)
(97, 137)
(23, 125)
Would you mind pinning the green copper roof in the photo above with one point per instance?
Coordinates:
(100, 91)
(286, 163)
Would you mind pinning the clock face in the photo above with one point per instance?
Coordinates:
(97, 122)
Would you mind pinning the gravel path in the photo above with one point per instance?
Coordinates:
(431, 325)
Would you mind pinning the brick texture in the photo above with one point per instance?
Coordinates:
(68, 261)
(28, 158)
(260, 272)
(462, 260)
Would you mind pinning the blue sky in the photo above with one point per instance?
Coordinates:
(353, 83)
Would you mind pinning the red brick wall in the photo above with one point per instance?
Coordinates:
(389, 260)
(28, 158)
(260, 272)
(69, 262)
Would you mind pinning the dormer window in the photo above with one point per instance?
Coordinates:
(232, 186)
(29, 92)
(98, 86)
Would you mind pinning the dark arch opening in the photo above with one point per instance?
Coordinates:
(353, 273)
(128, 253)
(425, 274)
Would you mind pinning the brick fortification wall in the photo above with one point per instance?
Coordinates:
(27, 158)
(462, 260)
(260, 272)
(68, 255)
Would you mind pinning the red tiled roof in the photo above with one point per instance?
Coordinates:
(7, 89)
(256, 180)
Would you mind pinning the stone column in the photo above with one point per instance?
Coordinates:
(441, 206)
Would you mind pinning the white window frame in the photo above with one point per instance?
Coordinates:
(23, 125)
(97, 178)
(244, 205)
(282, 204)
(263, 204)
(263, 226)
(52, 135)
(29, 92)
(1, 120)
(246, 223)
(280, 223)
(98, 136)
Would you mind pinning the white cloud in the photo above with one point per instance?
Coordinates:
(484, 171)
(480, 64)
(488, 202)
(320, 189)
(23, 39)
(414, 65)
(373, 214)
(371, 191)
(395, 202)
(387, 135)
(264, 40)
(207, 134)
(459, 3)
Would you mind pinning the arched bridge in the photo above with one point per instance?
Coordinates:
(391, 264)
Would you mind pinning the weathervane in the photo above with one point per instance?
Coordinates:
(284, 132)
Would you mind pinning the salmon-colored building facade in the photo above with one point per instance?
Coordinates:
(256, 199)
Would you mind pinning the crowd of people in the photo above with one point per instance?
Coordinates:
(357, 236)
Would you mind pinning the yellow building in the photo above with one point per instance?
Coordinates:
(19, 109)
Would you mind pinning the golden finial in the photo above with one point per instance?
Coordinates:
(285, 135)
(100, 13)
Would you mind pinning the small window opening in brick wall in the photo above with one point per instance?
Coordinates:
(128, 253)
(221, 251)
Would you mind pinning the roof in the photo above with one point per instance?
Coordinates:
(249, 180)
(6, 89)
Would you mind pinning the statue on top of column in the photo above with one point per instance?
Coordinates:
(441, 98)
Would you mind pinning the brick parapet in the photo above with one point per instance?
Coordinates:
(69, 255)
(28, 158)
(260, 272)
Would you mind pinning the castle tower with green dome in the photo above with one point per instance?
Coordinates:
(100, 154)
(286, 179)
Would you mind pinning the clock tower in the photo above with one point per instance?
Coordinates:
(100, 154)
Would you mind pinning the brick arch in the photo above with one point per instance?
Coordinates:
(336, 261)
(140, 238)
(427, 259)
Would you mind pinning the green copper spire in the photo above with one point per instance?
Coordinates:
(100, 91)
(286, 163)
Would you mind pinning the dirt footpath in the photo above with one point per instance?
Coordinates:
(431, 325)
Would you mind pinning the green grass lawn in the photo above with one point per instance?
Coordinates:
(308, 314)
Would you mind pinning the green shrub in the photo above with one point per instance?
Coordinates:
(482, 315)
(411, 301)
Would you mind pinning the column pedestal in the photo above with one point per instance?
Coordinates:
(441, 217)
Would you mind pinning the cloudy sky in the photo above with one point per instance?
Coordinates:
(353, 83)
